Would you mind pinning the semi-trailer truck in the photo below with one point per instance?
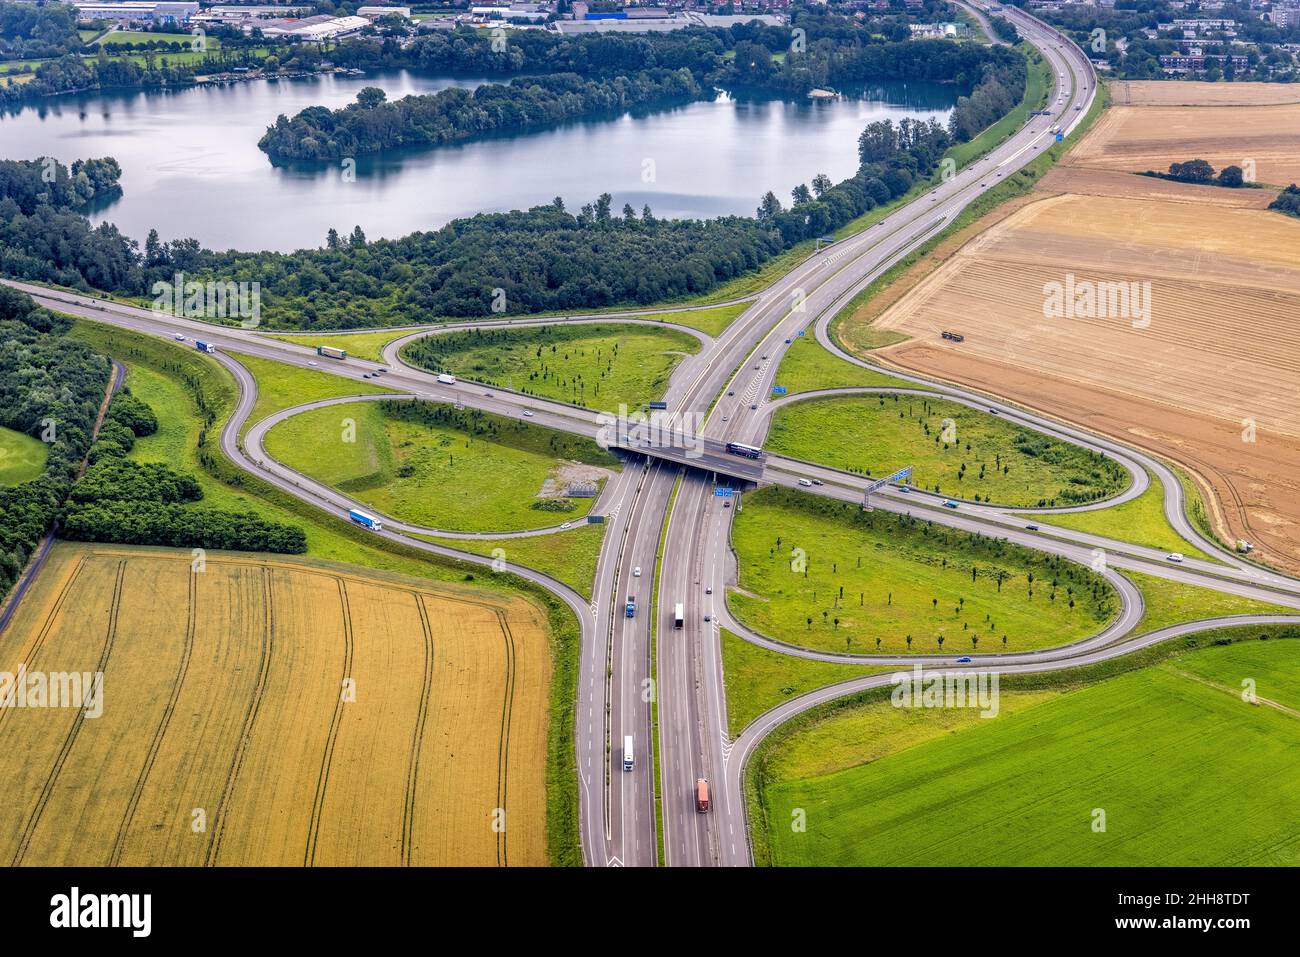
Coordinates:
(366, 520)
(331, 352)
(679, 619)
(204, 347)
(701, 795)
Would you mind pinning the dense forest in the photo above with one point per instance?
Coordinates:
(30, 32)
(134, 503)
(51, 388)
(454, 115)
(548, 257)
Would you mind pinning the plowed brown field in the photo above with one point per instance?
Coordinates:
(274, 712)
(1151, 137)
(1197, 93)
(1219, 362)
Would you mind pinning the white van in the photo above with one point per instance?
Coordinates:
(627, 752)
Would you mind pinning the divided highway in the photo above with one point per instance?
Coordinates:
(631, 666)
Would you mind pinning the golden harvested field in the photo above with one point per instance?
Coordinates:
(1140, 138)
(1198, 93)
(1220, 356)
(269, 711)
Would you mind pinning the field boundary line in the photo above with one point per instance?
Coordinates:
(327, 758)
(187, 651)
(71, 739)
(250, 717)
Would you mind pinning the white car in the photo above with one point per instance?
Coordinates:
(179, 337)
(528, 413)
(1174, 557)
(310, 363)
(636, 572)
(805, 483)
(566, 525)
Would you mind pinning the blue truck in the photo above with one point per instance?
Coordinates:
(631, 606)
(365, 520)
(204, 347)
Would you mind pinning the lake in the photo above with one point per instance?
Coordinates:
(191, 166)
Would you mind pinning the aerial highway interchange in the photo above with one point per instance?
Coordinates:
(667, 532)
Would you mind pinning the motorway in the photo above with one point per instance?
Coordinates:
(630, 667)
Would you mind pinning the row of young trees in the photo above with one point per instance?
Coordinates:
(372, 124)
(133, 503)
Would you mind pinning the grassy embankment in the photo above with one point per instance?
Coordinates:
(825, 575)
(597, 366)
(22, 457)
(193, 396)
(370, 345)
(468, 471)
(1185, 771)
(955, 450)
(807, 367)
(1140, 521)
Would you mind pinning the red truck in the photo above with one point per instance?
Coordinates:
(702, 796)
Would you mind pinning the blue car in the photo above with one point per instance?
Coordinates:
(964, 660)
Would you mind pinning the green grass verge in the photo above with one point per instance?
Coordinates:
(204, 394)
(1185, 770)
(1140, 521)
(435, 466)
(1170, 603)
(588, 365)
(1038, 87)
(22, 457)
(282, 386)
(954, 449)
(807, 366)
(569, 557)
(363, 345)
(662, 855)
(887, 576)
(758, 679)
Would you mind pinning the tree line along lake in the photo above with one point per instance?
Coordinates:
(191, 166)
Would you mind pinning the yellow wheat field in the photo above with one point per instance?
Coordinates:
(1141, 138)
(273, 712)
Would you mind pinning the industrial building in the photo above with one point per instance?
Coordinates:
(138, 11)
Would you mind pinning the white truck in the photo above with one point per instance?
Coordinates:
(446, 379)
(627, 752)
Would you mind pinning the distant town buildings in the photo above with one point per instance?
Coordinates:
(137, 11)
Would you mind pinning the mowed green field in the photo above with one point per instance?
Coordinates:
(598, 366)
(22, 457)
(1185, 771)
(954, 450)
(471, 471)
(886, 576)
